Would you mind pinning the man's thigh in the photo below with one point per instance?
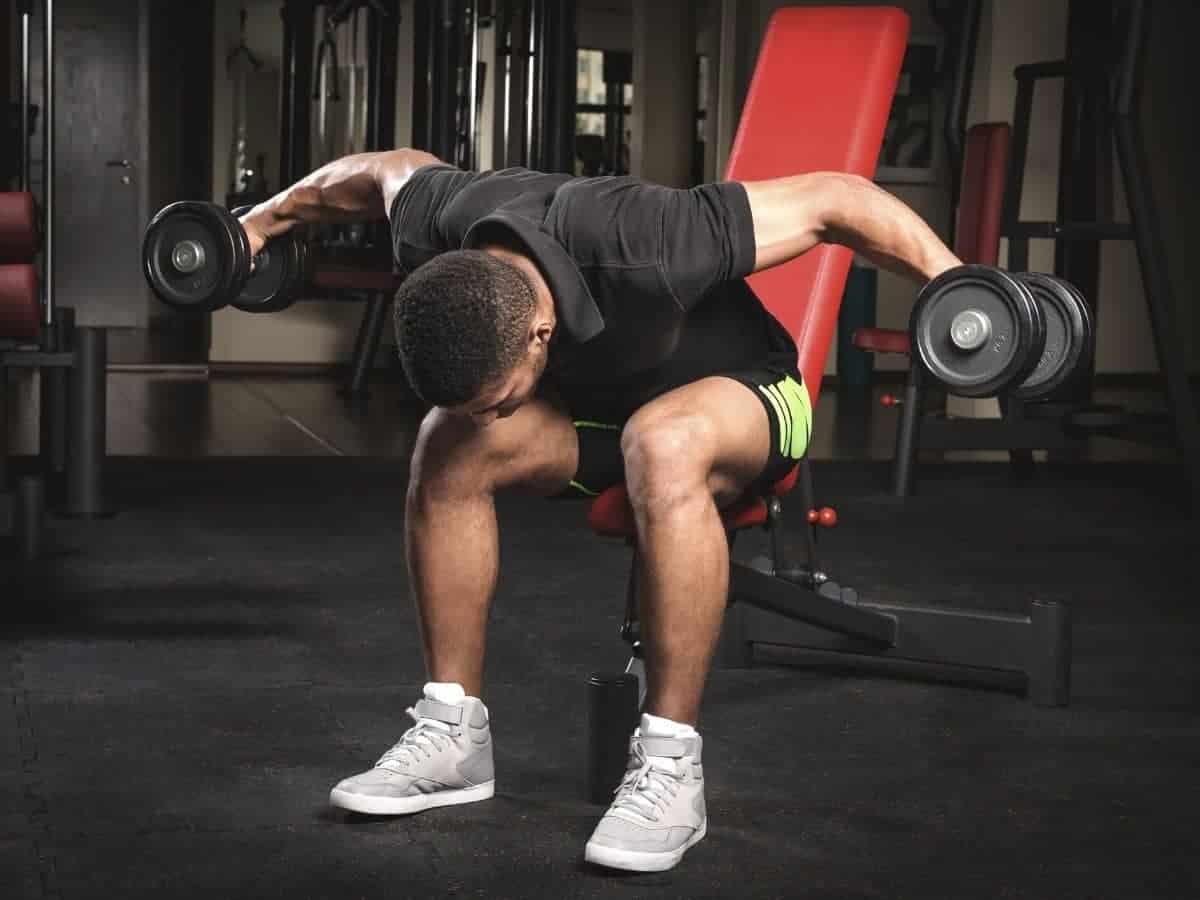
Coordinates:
(533, 449)
(745, 428)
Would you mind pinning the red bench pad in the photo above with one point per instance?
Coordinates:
(612, 516)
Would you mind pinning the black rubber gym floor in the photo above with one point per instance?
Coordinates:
(180, 687)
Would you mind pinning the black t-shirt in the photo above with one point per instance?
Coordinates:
(647, 280)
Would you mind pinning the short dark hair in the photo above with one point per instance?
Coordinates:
(462, 323)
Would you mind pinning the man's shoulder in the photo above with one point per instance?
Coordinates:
(475, 195)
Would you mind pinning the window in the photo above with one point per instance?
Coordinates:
(603, 98)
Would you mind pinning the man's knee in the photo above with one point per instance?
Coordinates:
(667, 460)
(450, 452)
(536, 448)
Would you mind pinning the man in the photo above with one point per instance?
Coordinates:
(571, 333)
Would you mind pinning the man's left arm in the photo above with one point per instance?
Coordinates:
(794, 214)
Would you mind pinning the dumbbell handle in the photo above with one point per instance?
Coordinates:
(970, 330)
(188, 257)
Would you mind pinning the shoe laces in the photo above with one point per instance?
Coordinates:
(647, 786)
(426, 737)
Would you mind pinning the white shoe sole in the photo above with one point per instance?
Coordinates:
(403, 806)
(641, 860)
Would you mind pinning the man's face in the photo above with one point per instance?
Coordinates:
(503, 398)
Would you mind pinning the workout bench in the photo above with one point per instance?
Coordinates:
(853, 54)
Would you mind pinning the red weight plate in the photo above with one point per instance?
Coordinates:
(20, 309)
(18, 227)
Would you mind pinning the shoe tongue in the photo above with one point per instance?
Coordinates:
(664, 754)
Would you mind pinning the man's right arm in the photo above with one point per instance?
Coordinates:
(358, 188)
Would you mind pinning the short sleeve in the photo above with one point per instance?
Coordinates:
(416, 214)
(694, 239)
(707, 239)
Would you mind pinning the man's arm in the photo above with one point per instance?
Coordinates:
(356, 188)
(794, 214)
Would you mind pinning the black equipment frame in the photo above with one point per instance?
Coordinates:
(799, 608)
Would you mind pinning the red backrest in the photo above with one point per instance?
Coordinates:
(981, 196)
(818, 101)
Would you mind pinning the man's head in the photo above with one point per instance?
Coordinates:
(471, 334)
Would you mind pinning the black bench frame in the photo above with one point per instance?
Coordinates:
(775, 604)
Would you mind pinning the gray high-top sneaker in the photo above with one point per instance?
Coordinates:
(444, 759)
(658, 811)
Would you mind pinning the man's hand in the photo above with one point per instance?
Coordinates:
(255, 232)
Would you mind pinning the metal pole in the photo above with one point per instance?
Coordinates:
(473, 90)
(286, 90)
(48, 157)
(54, 403)
(26, 12)
(370, 333)
(4, 442)
(509, 48)
(531, 25)
(29, 518)
(89, 413)
(908, 435)
(295, 144)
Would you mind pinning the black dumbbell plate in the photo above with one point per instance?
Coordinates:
(278, 270)
(1068, 335)
(1012, 347)
(193, 256)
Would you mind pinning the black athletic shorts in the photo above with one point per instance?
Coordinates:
(599, 415)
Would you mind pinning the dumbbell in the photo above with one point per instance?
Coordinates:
(980, 331)
(196, 257)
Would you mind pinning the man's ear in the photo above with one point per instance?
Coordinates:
(540, 334)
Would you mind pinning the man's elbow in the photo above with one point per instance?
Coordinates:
(404, 161)
(391, 170)
(837, 194)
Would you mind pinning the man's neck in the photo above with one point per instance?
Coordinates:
(541, 288)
